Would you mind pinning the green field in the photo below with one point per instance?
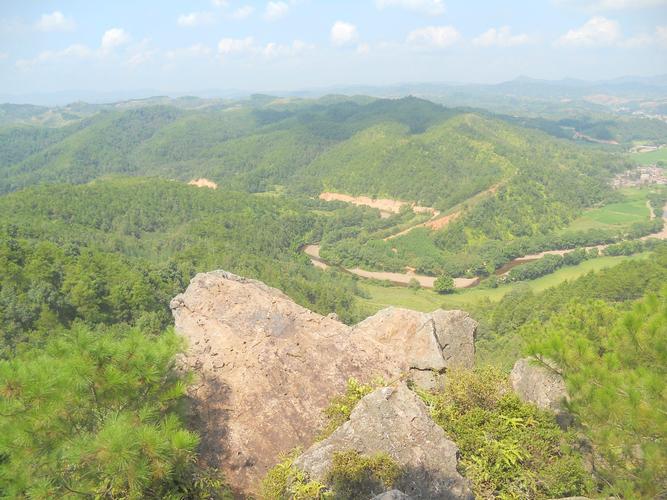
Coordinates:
(615, 215)
(651, 157)
(427, 300)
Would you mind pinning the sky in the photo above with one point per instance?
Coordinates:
(178, 46)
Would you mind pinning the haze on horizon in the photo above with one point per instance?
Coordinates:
(62, 45)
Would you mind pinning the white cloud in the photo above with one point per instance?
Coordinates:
(140, 57)
(243, 12)
(114, 37)
(195, 19)
(604, 5)
(637, 42)
(661, 35)
(235, 45)
(73, 52)
(3, 56)
(598, 31)
(429, 7)
(197, 50)
(273, 49)
(275, 10)
(55, 21)
(434, 36)
(343, 33)
(363, 48)
(500, 37)
(628, 4)
(220, 3)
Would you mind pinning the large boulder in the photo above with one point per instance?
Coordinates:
(437, 340)
(395, 421)
(266, 367)
(539, 383)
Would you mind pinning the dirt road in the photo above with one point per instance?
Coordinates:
(313, 251)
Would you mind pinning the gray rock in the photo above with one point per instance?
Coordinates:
(391, 495)
(395, 421)
(541, 385)
(455, 331)
(427, 379)
(428, 341)
(267, 367)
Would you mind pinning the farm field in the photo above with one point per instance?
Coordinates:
(650, 157)
(615, 215)
(427, 300)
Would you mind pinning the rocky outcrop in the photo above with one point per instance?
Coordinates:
(541, 385)
(267, 367)
(392, 495)
(395, 421)
(437, 340)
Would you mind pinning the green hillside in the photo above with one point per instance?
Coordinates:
(153, 233)
(408, 148)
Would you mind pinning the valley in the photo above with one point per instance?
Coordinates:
(612, 216)
(285, 252)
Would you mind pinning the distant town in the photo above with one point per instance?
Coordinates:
(640, 176)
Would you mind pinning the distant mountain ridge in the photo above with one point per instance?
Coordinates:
(409, 149)
(655, 85)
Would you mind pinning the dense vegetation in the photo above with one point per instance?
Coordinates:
(91, 401)
(407, 149)
(614, 364)
(95, 414)
(606, 333)
(509, 449)
(118, 250)
(500, 333)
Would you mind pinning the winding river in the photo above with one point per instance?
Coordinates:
(403, 279)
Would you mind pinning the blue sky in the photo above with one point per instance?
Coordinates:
(176, 46)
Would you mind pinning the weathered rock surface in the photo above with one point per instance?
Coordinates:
(267, 367)
(438, 340)
(394, 420)
(541, 386)
(392, 495)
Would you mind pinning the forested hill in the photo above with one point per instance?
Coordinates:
(406, 148)
(117, 251)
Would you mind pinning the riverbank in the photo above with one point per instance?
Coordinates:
(403, 279)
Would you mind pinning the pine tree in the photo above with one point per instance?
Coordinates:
(615, 367)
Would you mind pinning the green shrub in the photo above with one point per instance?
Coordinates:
(285, 481)
(354, 475)
(509, 449)
(96, 413)
(444, 284)
(339, 410)
(614, 365)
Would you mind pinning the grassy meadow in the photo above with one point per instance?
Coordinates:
(651, 157)
(615, 215)
(423, 299)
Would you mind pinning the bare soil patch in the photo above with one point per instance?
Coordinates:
(202, 182)
(386, 206)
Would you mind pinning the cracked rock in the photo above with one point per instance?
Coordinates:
(278, 365)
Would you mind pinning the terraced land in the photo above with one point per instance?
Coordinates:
(615, 215)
